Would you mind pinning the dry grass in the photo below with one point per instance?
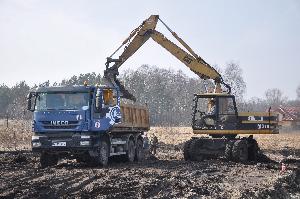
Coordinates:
(177, 135)
(279, 141)
(171, 135)
(18, 136)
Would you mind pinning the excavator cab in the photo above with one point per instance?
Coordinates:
(214, 111)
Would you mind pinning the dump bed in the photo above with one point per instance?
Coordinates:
(134, 118)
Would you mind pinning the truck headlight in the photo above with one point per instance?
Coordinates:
(36, 144)
(35, 137)
(84, 143)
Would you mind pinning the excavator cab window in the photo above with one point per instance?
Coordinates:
(227, 110)
(205, 113)
(213, 110)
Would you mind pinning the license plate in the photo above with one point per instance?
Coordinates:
(59, 144)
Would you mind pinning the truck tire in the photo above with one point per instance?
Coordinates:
(253, 150)
(139, 156)
(103, 154)
(240, 151)
(186, 150)
(47, 160)
(80, 159)
(131, 151)
(194, 150)
(84, 158)
(228, 149)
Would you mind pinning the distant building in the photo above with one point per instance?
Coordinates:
(289, 117)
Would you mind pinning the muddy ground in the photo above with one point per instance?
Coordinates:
(166, 176)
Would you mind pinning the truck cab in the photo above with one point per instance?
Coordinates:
(79, 122)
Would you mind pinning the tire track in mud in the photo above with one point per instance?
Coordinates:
(156, 178)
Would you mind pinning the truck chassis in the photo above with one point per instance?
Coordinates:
(94, 149)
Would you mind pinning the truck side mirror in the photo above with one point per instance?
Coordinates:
(98, 101)
(29, 102)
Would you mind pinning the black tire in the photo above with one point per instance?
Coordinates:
(80, 160)
(131, 151)
(240, 151)
(228, 149)
(194, 152)
(48, 160)
(253, 150)
(139, 151)
(186, 150)
(102, 154)
(84, 158)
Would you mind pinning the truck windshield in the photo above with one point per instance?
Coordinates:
(62, 101)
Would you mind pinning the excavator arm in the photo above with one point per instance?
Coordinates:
(140, 35)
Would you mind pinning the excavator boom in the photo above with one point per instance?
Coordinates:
(139, 38)
(202, 69)
(140, 35)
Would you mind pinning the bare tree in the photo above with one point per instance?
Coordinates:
(298, 92)
(17, 106)
(255, 104)
(233, 75)
(275, 97)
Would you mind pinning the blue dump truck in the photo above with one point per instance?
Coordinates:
(86, 123)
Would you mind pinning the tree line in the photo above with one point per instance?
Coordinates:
(167, 93)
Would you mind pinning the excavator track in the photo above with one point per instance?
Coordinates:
(238, 149)
(186, 150)
(228, 149)
(253, 150)
(194, 150)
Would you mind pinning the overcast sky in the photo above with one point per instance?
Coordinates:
(55, 39)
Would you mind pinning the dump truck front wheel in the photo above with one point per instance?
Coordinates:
(103, 154)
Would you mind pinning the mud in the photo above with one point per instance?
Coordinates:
(165, 176)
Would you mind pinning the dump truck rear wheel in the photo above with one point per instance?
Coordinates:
(186, 150)
(47, 160)
(139, 151)
(103, 154)
(240, 151)
(130, 151)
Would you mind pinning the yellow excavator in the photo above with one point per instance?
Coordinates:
(214, 113)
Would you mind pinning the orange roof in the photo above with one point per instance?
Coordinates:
(289, 112)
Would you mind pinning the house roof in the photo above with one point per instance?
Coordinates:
(289, 113)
